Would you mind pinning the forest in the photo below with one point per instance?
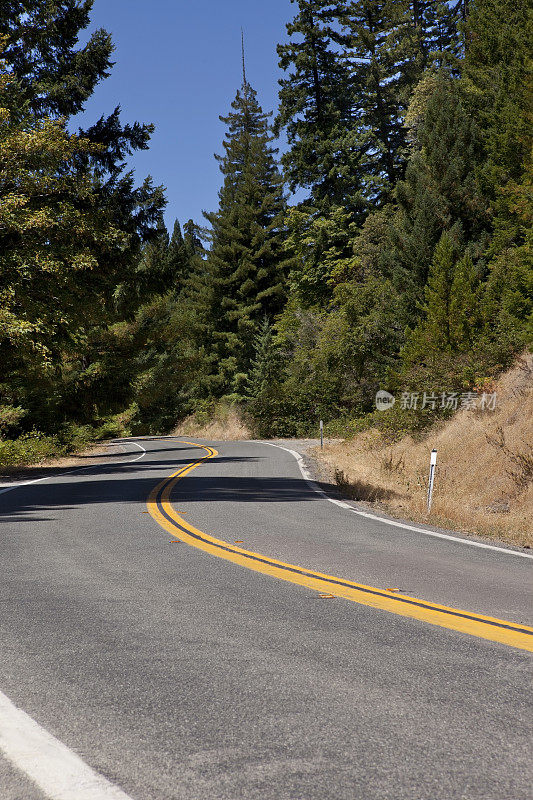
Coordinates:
(407, 267)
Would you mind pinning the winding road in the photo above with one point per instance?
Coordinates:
(200, 621)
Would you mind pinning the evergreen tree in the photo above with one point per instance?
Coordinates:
(498, 72)
(54, 75)
(344, 100)
(152, 270)
(178, 258)
(388, 43)
(52, 235)
(499, 75)
(498, 67)
(247, 264)
(441, 187)
(315, 108)
(262, 376)
(465, 316)
(164, 262)
(196, 295)
(80, 221)
(264, 403)
(436, 31)
(322, 248)
(193, 303)
(451, 311)
(437, 325)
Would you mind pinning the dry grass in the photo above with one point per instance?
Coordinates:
(484, 480)
(225, 424)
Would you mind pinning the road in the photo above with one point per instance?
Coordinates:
(168, 671)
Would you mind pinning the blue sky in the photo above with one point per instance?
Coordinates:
(178, 65)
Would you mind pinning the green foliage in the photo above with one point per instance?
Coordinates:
(409, 265)
(30, 448)
(72, 222)
(315, 107)
(441, 187)
(54, 75)
(34, 447)
(262, 381)
(351, 69)
(321, 248)
(10, 416)
(247, 263)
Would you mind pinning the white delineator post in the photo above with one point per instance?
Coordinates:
(432, 466)
(321, 434)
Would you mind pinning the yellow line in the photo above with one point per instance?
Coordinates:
(496, 630)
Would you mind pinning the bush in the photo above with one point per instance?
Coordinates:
(10, 417)
(35, 447)
(30, 448)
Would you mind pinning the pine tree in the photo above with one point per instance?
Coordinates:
(465, 316)
(196, 288)
(344, 101)
(389, 43)
(436, 29)
(262, 376)
(498, 71)
(52, 76)
(498, 64)
(322, 248)
(152, 271)
(441, 187)
(178, 258)
(262, 387)
(247, 264)
(53, 288)
(80, 236)
(164, 263)
(450, 311)
(315, 108)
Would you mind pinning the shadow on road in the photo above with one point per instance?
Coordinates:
(116, 461)
(118, 484)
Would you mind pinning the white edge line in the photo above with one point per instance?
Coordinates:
(51, 765)
(78, 469)
(307, 476)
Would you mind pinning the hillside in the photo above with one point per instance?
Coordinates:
(484, 480)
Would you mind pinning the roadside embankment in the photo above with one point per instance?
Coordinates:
(484, 479)
(222, 422)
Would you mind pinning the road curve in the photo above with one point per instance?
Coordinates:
(174, 673)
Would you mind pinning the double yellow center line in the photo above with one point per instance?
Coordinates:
(496, 630)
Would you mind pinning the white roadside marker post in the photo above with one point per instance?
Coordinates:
(321, 434)
(432, 465)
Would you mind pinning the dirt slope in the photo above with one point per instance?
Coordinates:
(484, 481)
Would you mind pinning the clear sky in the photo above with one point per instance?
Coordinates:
(178, 65)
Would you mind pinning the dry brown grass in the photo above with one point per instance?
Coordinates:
(484, 480)
(224, 425)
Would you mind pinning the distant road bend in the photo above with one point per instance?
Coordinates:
(174, 624)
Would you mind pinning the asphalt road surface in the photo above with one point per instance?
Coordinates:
(132, 646)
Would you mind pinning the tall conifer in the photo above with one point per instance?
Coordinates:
(247, 263)
(343, 102)
(315, 107)
(52, 76)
